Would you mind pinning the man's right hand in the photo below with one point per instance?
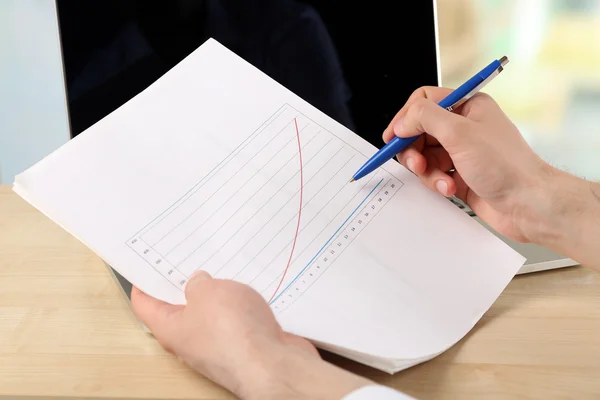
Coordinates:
(476, 153)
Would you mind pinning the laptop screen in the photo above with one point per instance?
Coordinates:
(357, 62)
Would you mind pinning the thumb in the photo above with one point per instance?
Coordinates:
(425, 116)
(160, 317)
(194, 284)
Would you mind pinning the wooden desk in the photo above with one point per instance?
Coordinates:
(66, 330)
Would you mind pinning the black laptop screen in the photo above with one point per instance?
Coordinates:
(355, 61)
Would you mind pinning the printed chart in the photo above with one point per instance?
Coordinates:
(275, 213)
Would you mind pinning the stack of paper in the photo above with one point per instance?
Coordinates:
(217, 167)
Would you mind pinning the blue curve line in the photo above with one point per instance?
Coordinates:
(326, 243)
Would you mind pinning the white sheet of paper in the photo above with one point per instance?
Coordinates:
(218, 167)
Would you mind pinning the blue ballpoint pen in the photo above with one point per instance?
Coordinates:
(453, 100)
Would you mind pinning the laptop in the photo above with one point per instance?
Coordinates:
(352, 62)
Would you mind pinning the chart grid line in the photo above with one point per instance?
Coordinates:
(277, 308)
(225, 160)
(316, 236)
(215, 192)
(222, 205)
(326, 243)
(201, 244)
(211, 196)
(238, 220)
(271, 218)
(299, 210)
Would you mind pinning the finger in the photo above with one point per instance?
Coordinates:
(414, 160)
(428, 139)
(433, 93)
(423, 115)
(157, 315)
(195, 284)
(388, 134)
(438, 158)
(478, 107)
(301, 343)
(431, 141)
(438, 181)
(470, 198)
(462, 189)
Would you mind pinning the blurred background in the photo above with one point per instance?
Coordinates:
(551, 86)
(33, 113)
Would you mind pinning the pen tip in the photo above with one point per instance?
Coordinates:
(352, 180)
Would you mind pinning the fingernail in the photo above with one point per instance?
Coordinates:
(200, 274)
(442, 186)
(410, 163)
(398, 126)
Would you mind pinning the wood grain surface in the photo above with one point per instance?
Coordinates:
(67, 331)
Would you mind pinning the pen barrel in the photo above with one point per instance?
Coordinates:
(386, 153)
(463, 91)
(457, 97)
(397, 145)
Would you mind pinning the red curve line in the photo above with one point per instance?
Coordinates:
(299, 214)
